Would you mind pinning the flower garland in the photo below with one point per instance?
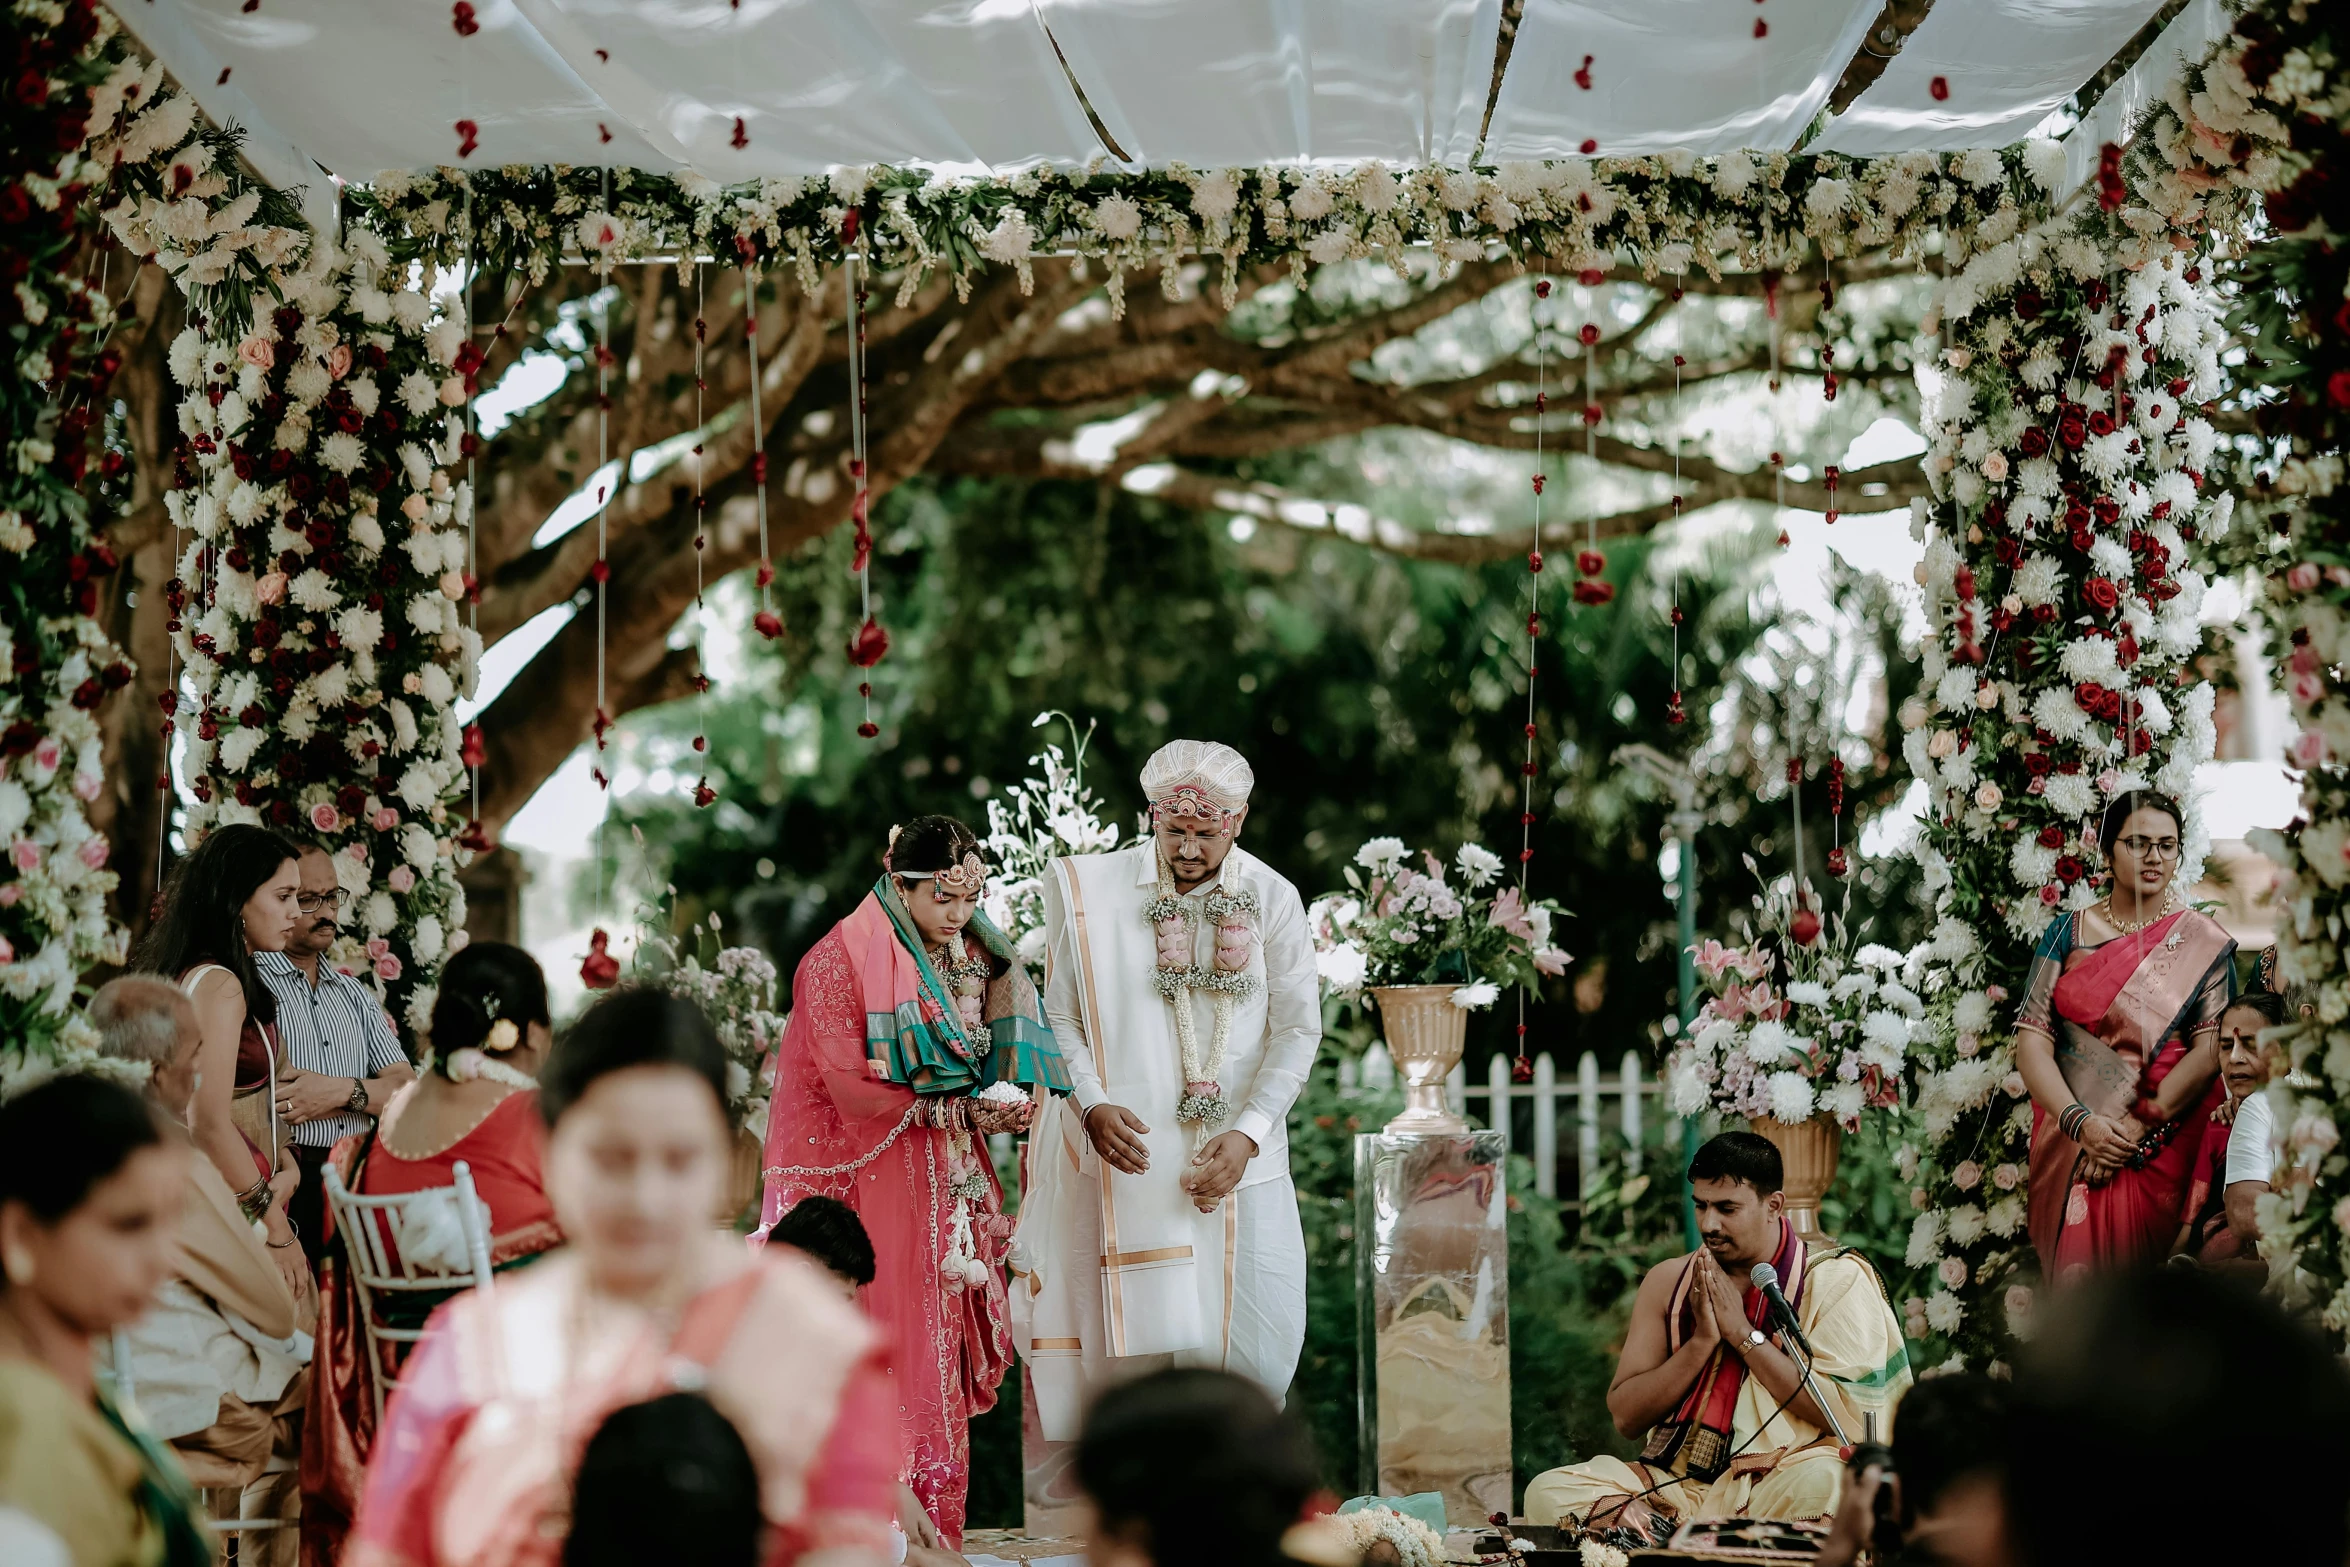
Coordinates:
(56, 664)
(1674, 211)
(2070, 461)
(2293, 62)
(1173, 918)
(323, 544)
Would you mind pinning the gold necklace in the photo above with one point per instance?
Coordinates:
(2128, 929)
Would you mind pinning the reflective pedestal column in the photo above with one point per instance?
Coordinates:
(1433, 1319)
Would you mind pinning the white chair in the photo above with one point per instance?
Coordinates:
(378, 1271)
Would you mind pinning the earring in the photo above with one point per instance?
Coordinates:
(19, 1266)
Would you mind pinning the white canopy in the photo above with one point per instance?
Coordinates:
(742, 88)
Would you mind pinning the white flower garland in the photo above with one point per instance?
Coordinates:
(1173, 917)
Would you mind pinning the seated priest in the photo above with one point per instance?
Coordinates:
(1731, 1432)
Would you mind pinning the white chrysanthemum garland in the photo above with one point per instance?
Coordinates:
(2070, 461)
(1674, 211)
(315, 609)
(56, 663)
(2294, 61)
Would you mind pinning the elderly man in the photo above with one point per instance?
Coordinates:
(220, 1367)
(1731, 1431)
(1163, 1226)
(347, 1060)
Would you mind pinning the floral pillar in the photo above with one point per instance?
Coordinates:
(56, 664)
(2072, 464)
(321, 542)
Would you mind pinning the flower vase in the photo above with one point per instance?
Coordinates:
(1808, 1151)
(1425, 1033)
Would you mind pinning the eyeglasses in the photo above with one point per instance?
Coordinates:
(1175, 838)
(312, 902)
(2152, 848)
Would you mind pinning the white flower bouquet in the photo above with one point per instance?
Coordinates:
(1796, 1024)
(1397, 925)
(1048, 814)
(737, 990)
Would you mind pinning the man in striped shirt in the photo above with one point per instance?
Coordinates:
(347, 1060)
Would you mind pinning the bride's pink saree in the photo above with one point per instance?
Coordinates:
(2122, 1014)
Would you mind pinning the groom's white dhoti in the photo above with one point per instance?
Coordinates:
(1118, 1274)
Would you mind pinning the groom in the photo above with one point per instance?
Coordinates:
(1160, 1226)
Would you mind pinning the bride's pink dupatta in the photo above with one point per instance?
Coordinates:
(2126, 1013)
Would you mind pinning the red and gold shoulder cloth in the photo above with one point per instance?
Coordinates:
(1696, 1440)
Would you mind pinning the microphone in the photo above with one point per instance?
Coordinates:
(1766, 1278)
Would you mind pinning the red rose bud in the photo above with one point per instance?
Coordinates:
(869, 645)
(1590, 333)
(767, 625)
(601, 970)
(464, 20)
(1538, 481)
(1837, 864)
(1964, 581)
(468, 138)
(1590, 592)
(476, 837)
(741, 137)
(1582, 80)
(1590, 146)
(766, 573)
(1940, 88)
(1542, 288)
(1804, 926)
(1521, 1070)
(474, 752)
(600, 572)
(1591, 413)
(868, 729)
(1591, 277)
(703, 793)
(1590, 562)
(1534, 560)
(758, 467)
(2102, 593)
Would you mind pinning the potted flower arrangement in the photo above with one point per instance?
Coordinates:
(1429, 951)
(1046, 815)
(1800, 1033)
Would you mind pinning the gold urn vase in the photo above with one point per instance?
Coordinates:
(1808, 1150)
(1425, 1033)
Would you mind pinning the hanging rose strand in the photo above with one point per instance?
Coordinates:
(475, 836)
(766, 622)
(1522, 1067)
(601, 572)
(703, 793)
(1778, 453)
(870, 644)
(1589, 562)
(1673, 710)
(1837, 864)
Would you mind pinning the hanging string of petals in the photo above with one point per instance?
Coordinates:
(1674, 713)
(475, 836)
(1837, 864)
(1522, 1067)
(601, 571)
(1778, 453)
(703, 793)
(870, 645)
(767, 623)
(1589, 562)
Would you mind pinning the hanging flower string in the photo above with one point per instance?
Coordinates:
(472, 751)
(1837, 865)
(703, 793)
(1673, 710)
(1589, 562)
(601, 226)
(765, 621)
(1778, 453)
(870, 644)
(1522, 1067)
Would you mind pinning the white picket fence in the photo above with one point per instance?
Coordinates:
(1583, 1097)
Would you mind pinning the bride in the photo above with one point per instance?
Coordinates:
(915, 1034)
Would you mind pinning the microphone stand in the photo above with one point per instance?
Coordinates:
(1790, 1342)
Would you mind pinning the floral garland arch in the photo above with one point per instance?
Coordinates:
(56, 662)
(2077, 499)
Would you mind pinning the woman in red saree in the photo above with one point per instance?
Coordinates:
(477, 1102)
(915, 1033)
(475, 1462)
(2117, 1040)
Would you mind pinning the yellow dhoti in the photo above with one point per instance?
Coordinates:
(1782, 1467)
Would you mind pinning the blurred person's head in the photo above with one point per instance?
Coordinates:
(667, 1480)
(1198, 792)
(1192, 1466)
(236, 894)
(2243, 1059)
(639, 1145)
(492, 1004)
(1735, 1181)
(939, 874)
(830, 1232)
(90, 1192)
(318, 904)
(143, 1018)
(1950, 1464)
(2131, 1379)
(2141, 835)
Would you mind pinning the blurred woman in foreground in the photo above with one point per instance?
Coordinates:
(495, 1408)
(90, 1194)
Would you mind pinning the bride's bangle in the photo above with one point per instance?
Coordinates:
(2072, 1118)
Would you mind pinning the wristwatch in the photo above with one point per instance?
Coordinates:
(357, 1103)
(1755, 1339)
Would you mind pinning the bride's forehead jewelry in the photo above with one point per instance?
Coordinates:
(968, 879)
(1190, 800)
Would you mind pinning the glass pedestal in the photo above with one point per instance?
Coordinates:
(1433, 1319)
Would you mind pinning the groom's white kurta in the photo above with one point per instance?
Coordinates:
(1120, 1274)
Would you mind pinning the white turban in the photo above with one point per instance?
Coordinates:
(1220, 774)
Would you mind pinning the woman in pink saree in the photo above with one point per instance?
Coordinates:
(2117, 1040)
(915, 1033)
(474, 1465)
